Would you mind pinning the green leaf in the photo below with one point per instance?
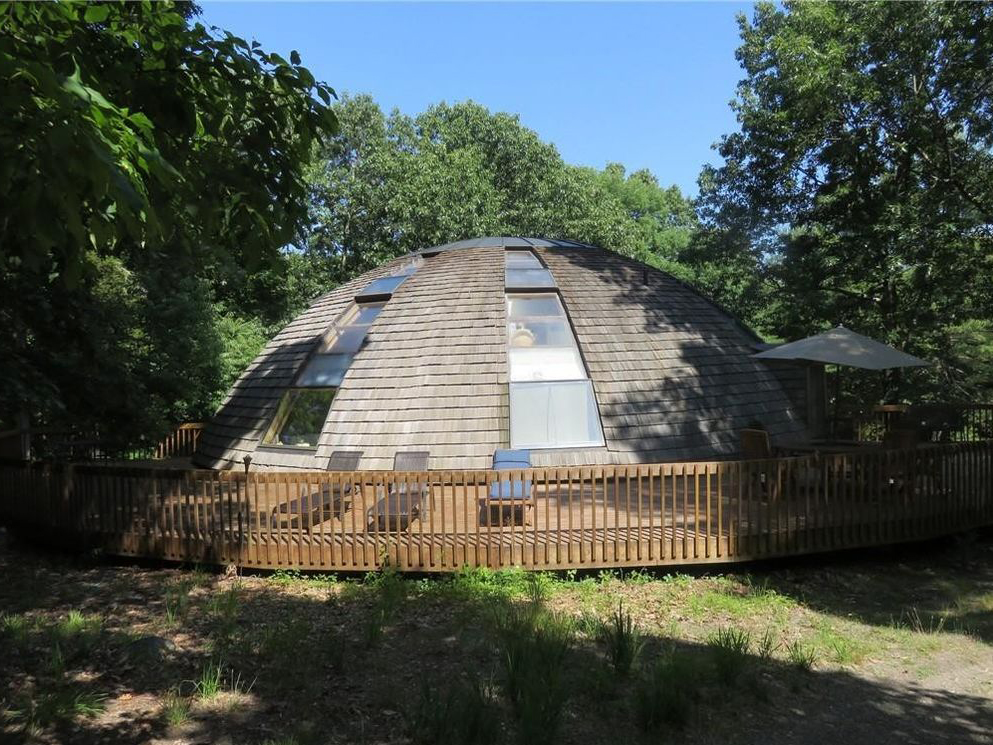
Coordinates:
(96, 13)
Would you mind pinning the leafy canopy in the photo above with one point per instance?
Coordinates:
(152, 172)
(859, 189)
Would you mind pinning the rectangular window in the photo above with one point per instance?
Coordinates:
(300, 418)
(349, 333)
(324, 370)
(532, 306)
(523, 260)
(546, 363)
(524, 279)
(539, 332)
(380, 289)
(554, 415)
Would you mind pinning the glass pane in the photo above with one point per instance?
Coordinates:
(410, 266)
(325, 370)
(553, 415)
(539, 333)
(384, 286)
(546, 363)
(522, 260)
(300, 418)
(521, 306)
(348, 340)
(529, 278)
(367, 313)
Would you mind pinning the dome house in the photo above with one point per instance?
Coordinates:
(571, 351)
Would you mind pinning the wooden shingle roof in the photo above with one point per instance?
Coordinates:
(672, 373)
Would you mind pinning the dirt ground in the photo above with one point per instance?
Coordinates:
(883, 647)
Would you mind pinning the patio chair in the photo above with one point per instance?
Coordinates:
(313, 509)
(755, 444)
(514, 495)
(402, 502)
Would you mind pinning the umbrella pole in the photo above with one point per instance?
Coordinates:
(837, 398)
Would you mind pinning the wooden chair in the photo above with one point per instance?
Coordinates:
(401, 505)
(898, 468)
(755, 444)
(313, 509)
(513, 495)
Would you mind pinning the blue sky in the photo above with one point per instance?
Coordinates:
(643, 84)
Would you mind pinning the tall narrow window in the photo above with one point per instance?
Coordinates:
(551, 398)
(304, 408)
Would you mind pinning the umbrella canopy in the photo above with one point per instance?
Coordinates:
(839, 346)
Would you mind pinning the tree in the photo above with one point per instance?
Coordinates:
(388, 185)
(152, 169)
(860, 185)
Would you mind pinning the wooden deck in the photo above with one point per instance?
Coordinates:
(584, 517)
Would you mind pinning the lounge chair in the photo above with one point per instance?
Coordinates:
(313, 509)
(514, 495)
(402, 503)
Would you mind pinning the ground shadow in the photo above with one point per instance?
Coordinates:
(332, 662)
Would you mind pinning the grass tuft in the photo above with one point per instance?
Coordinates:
(533, 645)
(801, 656)
(624, 641)
(729, 649)
(462, 714)
(175, 709)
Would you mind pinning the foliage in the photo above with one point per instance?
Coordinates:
(859, 189)
(177, 152)
(386, 185)
(460, 713)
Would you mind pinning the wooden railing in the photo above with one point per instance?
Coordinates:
(181, 442)
(49, 443)
(589, 517)
(936, 422)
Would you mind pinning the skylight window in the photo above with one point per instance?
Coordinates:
(526, 272)
(300, 418)
(554, 415)
(381, 289)
(551, 398)
(304, 408)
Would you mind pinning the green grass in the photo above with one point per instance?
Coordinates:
(739, 601)
(175, 709)
(839, 647)
(730, 650)
(64, 704)
(801, 656)
(461, 713)
(14, 628)
(533, 644)
(77, 623)
(624, 641)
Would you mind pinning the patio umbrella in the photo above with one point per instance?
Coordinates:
(839, 346)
